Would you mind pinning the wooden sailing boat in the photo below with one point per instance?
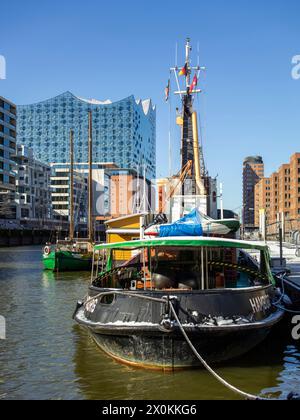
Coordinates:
(74, 254)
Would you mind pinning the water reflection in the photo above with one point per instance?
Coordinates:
(261, 372)
(49, 277)
(288, 379)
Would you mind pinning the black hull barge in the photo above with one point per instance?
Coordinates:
(225, 308)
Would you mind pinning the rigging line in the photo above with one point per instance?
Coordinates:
(201, 139)
(176, 130)
(177, 81)
(203, 127)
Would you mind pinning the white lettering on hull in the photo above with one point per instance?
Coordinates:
(260, 304)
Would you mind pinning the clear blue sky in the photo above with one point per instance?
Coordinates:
(116, 48)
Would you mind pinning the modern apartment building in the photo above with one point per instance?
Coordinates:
(100, 186)
(124, 132)
(280, 195)
(7, 151)
(33, 194)
(253, 172)
(116, 192)
(60, 195)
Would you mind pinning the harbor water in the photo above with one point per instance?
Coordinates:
(47, 356)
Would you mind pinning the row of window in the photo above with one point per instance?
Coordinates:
(7, 119)
(7, 107)
(7, 131)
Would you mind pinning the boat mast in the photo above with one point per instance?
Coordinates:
(189, 127)
(188, 49)
(90, 181)
(71, 234)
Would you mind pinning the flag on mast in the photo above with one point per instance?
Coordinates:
(184, 70)
(194, 83)
(167, 91)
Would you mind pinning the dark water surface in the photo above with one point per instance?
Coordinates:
(47, 356)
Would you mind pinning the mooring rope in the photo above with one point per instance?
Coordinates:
(278, 302)
(125, 294)
(289, 311)
(196, 353)
(207, 367)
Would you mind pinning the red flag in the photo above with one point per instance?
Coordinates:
(167, 91)
(194, 83)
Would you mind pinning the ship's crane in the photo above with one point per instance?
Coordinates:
(182, 175)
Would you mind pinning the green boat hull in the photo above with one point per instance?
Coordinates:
(67, 261)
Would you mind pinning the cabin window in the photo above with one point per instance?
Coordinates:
(186, 268)
(206, 268)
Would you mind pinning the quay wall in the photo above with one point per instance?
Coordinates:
(27, 237)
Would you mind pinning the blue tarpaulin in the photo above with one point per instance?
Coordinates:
(189, 225)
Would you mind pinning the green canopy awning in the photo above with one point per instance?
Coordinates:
(184, 242)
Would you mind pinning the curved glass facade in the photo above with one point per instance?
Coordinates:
(124, 132)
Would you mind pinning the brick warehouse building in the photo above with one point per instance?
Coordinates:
(280, 194)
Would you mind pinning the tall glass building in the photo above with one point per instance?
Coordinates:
(124, 132)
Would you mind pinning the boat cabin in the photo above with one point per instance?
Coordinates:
(83, 246)
(182, 264)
